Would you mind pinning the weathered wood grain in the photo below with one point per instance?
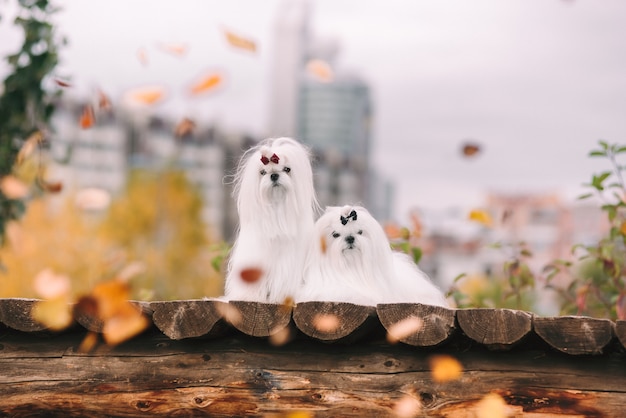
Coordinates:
(242, 376)
(495, 328)
(187, 318)
(416, 324)
(575, 334)
(620, 332)
(16, 313)
(334, 321)
(257, 319)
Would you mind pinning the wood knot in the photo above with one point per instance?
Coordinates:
(427, 398)
(143, 405)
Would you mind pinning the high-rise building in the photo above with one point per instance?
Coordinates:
(333, 116)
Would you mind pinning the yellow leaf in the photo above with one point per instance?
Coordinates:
(55, 314)
(29, 146)
(622, 228)
(404, 328)
(444, 368)
(492, 406)
(482, 217)
(239, 41)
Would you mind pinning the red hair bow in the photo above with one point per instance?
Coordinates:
(274, 158)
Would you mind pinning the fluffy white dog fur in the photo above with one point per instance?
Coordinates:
(276, 205)
(351, 260)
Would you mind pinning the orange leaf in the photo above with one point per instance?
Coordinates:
(146, 95)
(280, 336)
(392, 231)
(444, 368)
(112, 296)
(56, 314)
(239, 41)
(251, 275)
(87, 118)
(323, 245)
(481, 216)
(407, 407)
(326, 322)
(88, 343)
(206, 83)
(470, 149)
(622, 228)
(123, 327)
(177, 49)
(49, 186)
(229, 313)
(320, 70)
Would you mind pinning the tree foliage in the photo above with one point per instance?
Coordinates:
(25, 105)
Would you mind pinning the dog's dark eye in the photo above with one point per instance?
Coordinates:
(336, 235)
(263, 172)
(286, 169)
(360, 232)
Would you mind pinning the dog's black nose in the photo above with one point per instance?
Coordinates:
(350, 239)
(274, 176)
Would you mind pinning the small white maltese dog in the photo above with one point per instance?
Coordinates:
(352, 261)
(276, 205)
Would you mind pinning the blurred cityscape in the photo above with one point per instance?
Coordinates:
(333, 113)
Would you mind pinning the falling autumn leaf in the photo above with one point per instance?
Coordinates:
(240, 41)
(444, 368)
(104, 103)
(230, 313)
(206, 83)
(148, 95)
(13, 188)
(251, 275)
(50, 285)
(481, 216)
(142, 56)
(184, 127)
(62, 83)
(323, 245)
(470, 149)
(407, 407)
(49, 186)
(87, 118)
(124, 326)
(173, 48)
(89, 343)
(492, 406)
(29, 146)
(392, 231)
(404, 328)
(326, 322)
(111, 297)
(320, 70)
(55, 314)
(280, 336)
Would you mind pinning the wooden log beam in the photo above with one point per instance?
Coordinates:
(575, 334)
(188, 318)
(334, 321)
(243, 376)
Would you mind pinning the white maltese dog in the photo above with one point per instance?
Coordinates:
(352, 261)
(276, 205)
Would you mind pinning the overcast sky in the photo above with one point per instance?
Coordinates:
(536, 82)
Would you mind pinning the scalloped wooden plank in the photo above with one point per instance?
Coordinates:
(16, 313)
(187, 318)
(416, 324)
(495, 328)
(254, 318)
(620, 332)
(575, 334)
(333, 321)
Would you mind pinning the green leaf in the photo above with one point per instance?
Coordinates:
(620, 150)
(597, 154)
(585, 196)
(459, 277)
(417, 254)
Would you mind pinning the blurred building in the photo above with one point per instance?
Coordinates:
(101, 157)
(333, 115)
